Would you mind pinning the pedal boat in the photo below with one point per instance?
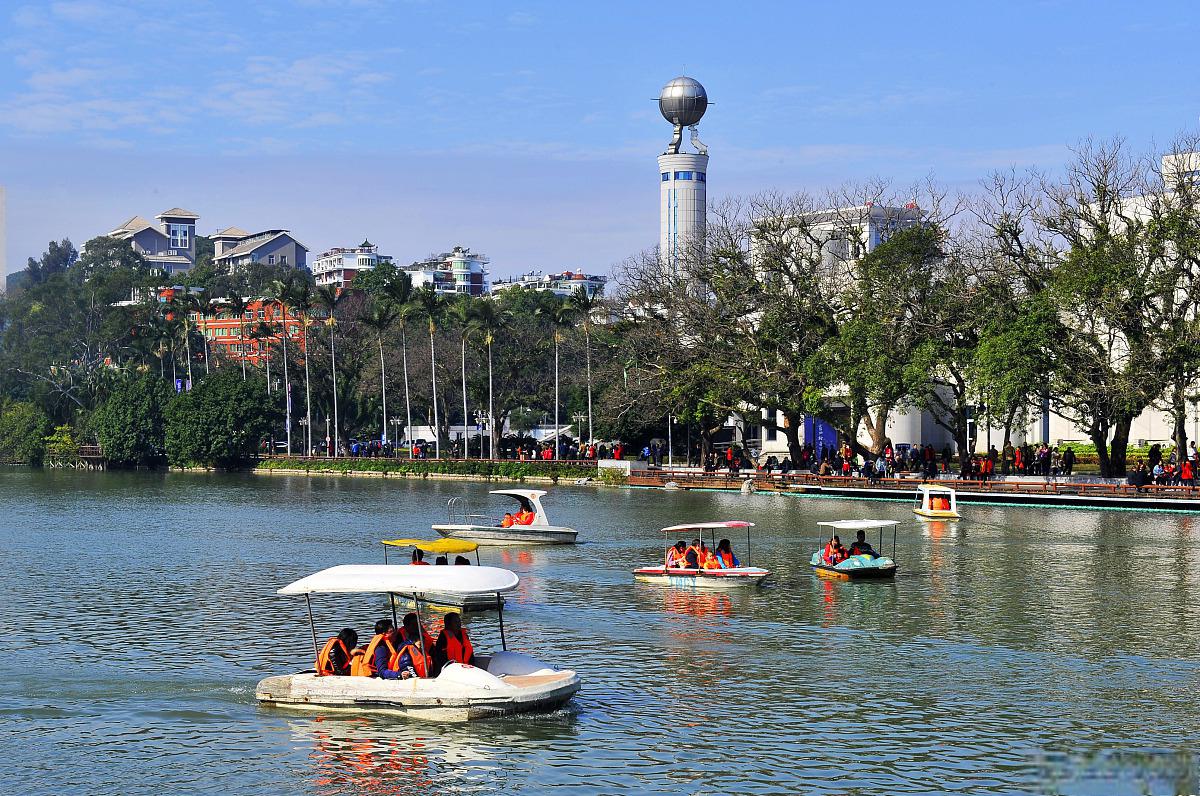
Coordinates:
(503, 683)
(733, 578)
(540, 531)
(860, 567)
(936, 502)
(466, 603)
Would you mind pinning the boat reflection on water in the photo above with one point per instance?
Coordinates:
(352, 756)
(700, 605)
(508, 558)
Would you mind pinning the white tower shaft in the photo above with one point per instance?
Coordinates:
(682, 204)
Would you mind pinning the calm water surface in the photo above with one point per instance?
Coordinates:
(1019, 651)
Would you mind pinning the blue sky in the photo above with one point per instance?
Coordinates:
(526, 130)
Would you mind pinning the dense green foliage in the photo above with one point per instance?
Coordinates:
(130, 424)
(23, 429)
(492, 470)
(219, 423)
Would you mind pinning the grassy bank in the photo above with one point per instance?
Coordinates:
(422, 468)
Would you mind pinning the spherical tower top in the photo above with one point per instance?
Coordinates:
(683, 101)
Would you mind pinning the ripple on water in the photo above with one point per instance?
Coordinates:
(1013, 654)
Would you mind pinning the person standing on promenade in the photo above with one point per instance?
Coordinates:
(1068, 461)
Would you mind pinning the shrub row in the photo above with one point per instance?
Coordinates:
(498, 470)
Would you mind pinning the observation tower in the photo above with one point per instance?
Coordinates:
(682, 175)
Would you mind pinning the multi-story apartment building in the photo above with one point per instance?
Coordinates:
(235, 248)
(339, 266)
(564, 284)
(460, 272)
(168, 246)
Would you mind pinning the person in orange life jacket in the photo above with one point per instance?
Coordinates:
(452, 645)
(691, 555)
(418, 558)
(834, 552)
(725, 556)
(334, 658)
(524, 517)
(707, 559)
(407, 658)
(508, 520)
(861, 547)
(675, 555)
(365, 666)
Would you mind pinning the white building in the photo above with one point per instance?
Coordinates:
(460, 272)
(340, 266)
(563, 285)
(683, 176)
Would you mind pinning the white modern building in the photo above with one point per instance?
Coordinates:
(339, 266)
(683, 176)
(563, 285)
(460, 272)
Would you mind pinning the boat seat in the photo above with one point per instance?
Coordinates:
(527, 680)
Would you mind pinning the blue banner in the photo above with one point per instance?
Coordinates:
(819, 433)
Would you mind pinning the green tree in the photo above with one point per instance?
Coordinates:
(328, 297)
(62, 447)
(130, 425)
(220, 423)
(23, 428)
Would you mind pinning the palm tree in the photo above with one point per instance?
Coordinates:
(585, 304)
(431, 303)
(237, 306)
(302, 303)
(461, 314)
(281, 291)
(380, 319)
(184, 304)
(490, 320)
(560, 314)
(207, 305)
(399, 293)
(327, 298)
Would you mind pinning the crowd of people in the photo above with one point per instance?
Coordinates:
(698, 555)
(397, 653)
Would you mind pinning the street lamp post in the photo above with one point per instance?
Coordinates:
(397, 422)
(578, 422)
(303, 421)
(670, 460)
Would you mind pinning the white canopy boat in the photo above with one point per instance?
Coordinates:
(503, 682)
(857, 567)
(936, 502)
(538, 531)
(446, 547)
(725, 578)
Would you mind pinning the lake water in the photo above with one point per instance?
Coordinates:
(1018, 651)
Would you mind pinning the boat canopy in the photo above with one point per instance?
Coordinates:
(385, 579)
(934, 488)
(527, 494)
(705, 525)
(859, 525)
(436, 545)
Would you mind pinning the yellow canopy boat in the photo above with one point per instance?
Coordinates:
(936, 502)
(447, 547)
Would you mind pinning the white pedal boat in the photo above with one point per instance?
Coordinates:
(730, 578)
(936, 502)
(504, 682)
(540, 531)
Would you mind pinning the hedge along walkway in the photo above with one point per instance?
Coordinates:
(459, 469)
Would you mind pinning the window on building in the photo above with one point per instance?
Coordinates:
(270, 259)
(262, 314)
(666, 175)
(283, 259)
(180, 236)
(700, 177)
(683, 175)
(248, 315)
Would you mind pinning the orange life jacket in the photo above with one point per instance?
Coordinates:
(460, 651)
(726, 559)
(325, 656)
(507, 522)
(674, 558)
(420, 563)
(419, 662)
(366, 664)
(708, 560)
(524, 517)
(699, 558)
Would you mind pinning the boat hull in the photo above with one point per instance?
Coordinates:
(859, 573)
(936, 514)
(737, 578)
(490, 535)
(431, 700)
(456, 602)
